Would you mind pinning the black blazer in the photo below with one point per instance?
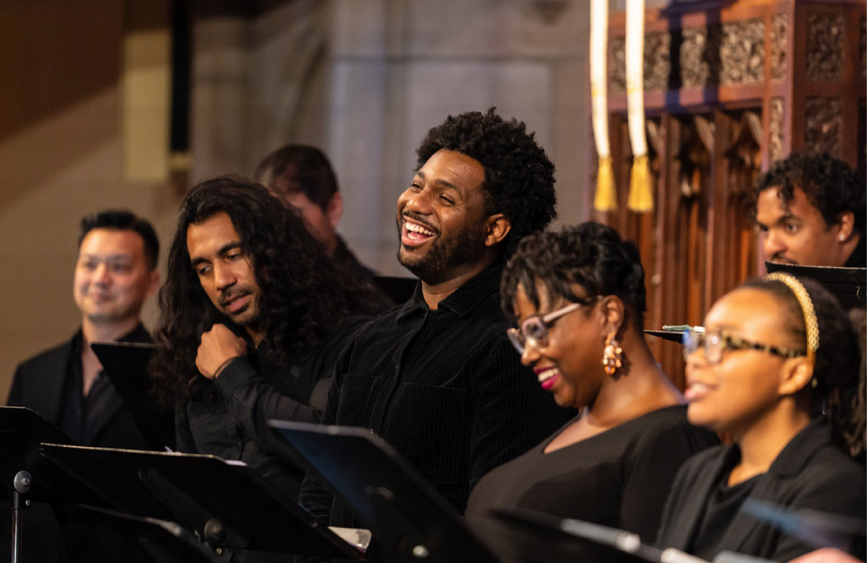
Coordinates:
(810, 473)
(38, 385)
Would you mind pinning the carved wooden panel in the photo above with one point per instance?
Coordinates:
(775, 133)
(699, 57)
(657, 63)
(823, 124)
(779, 42)
(825, 46)
(742, 52)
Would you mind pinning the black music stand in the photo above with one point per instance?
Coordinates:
(847, 284)
(226, 502)
(409, 518)
(565, 540)
(126, 365)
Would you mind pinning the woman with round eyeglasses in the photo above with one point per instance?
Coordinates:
(778, 369)
(578, 300)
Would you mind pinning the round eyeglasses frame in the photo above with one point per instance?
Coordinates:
(534, 329)
(715, 344)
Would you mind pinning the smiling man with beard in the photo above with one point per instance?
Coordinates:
(437, 377)
(249, 302)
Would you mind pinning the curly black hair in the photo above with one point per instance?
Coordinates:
(301, 301)
(519, 177)
(837, 369)
(591, 255)
(831, 185)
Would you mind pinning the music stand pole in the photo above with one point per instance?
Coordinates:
(20, 487)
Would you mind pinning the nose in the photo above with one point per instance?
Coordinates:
(224, 277)
(530, 356)
(417, 201)
(101, 274)
(773, 243)
(696, 359)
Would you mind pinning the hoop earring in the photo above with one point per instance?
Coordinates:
(612, 355)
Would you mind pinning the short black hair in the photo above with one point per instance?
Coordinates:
(830, 184)
(123, 220)
(298, 168)
(590, 255)
(519, 177)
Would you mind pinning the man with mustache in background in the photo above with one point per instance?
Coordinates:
(810, 211)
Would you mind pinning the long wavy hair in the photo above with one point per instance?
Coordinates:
(301, 300)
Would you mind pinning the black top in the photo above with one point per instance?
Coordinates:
(619, 478)
(811, 473)
(79, 414)
(722, 507)
(858, 258)
(444, 388)
(231, 424)
(365, 296)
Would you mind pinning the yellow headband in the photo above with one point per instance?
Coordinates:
(810, 321)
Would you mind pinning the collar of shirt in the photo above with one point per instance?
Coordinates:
(463, 300)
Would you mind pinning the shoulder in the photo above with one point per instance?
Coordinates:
(47, 358)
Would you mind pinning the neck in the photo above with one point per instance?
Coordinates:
(256, 335)
(95, 331)
(639, 387)
(763, 440)
(434, 293)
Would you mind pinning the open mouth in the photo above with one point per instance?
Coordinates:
(547, 377)
(236, 303)
(415, 234)
(697, 391)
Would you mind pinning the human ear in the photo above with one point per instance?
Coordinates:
(797, 373)
(498, 226)
(334, 209)
(613, 313)
(153, 282)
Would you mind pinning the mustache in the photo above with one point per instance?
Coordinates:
(418, 219)
(779, 257)
(231, 294)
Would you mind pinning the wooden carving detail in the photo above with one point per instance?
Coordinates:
(699, 57)
(779, 42)
(657, 62)
(742, 52)
(825, 46)
(775, 127)
(823, 124)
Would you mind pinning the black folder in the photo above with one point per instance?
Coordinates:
(407, 516)
(126, 365)
(847, 284)
(226, 502)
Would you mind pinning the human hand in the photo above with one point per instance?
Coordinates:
(218, 346)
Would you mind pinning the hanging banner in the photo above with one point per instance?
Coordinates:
(606, 195)
(640, 189)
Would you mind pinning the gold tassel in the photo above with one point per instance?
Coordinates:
(606, 195)
(640, 189)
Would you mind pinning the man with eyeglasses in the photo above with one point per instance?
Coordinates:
(437, 377)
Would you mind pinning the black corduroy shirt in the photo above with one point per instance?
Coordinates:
(445, 388)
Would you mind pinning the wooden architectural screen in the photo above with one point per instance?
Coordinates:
(729, 88)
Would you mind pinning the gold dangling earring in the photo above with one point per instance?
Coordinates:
(612, 355)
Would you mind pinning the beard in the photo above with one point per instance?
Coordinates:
(445, 255)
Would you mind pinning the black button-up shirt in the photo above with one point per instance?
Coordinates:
(445, 388)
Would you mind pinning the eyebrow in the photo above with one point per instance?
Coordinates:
(441, 182)
(221, 252)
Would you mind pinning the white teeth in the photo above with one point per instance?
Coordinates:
(547, 374)
(418, 229)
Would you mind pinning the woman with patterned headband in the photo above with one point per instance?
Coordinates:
(778, 368)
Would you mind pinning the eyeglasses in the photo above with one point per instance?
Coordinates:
(715, 343)
(534, 330)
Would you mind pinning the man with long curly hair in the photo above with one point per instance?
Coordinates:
(249, 299)
(810, 209)
(437, 377)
